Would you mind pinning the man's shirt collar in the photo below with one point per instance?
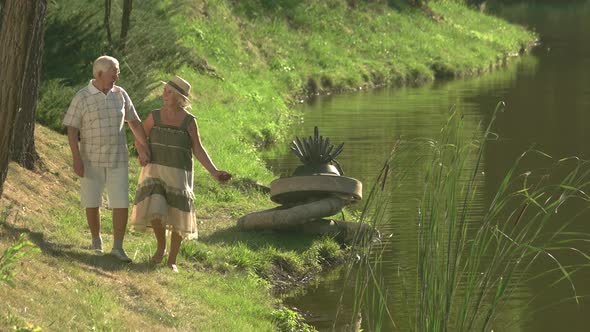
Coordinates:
(94, 90)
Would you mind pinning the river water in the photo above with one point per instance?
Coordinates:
(547, 94)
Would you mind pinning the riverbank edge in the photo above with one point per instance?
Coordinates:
(322, 85)
(335, 87)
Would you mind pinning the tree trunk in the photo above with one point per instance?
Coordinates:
(23, 144)
(125, 23)
(107, 21)
(1, 6)
(18, 33)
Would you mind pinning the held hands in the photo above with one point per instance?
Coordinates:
(221, 176)
(79, 167)
(144, 154)
(144, 157)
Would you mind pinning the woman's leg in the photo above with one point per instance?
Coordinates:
(160, 233)
(175, 241)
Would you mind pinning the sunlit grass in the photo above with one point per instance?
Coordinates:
(246, 68)
(67, 286)
(270, 259)
(248, 61)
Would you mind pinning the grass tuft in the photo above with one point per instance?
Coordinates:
(471, 259)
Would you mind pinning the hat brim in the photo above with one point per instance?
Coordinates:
(176, 90)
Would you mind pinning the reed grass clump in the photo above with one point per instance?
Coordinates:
(469, 259)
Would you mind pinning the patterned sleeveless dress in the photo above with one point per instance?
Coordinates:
(165, 186)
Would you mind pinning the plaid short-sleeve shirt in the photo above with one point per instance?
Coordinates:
(100, 119)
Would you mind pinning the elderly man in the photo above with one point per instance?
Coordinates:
(100, 156)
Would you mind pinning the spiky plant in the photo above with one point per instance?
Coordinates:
(316, 150)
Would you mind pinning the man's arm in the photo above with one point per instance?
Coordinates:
(137, 129)
(73, 141)
(140, 141)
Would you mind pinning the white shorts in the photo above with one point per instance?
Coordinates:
(93, 184)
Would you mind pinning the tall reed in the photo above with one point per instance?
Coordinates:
(470, 259)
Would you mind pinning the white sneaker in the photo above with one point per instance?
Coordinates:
(121, 255)
(97, 248)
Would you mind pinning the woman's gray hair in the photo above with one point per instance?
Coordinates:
(103, 64)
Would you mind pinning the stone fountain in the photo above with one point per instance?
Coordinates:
(316, 190)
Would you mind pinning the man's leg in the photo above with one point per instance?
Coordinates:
(91, 187)
(117, 184)
(93, 219)
(120, 216)
(119, 226)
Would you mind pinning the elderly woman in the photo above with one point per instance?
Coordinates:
(164, 198)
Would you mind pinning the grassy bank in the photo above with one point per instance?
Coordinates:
(248, 61)
(224, 285)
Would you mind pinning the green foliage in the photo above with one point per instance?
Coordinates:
(288, 320)
(471, 259)
(11, 256)
(152, 49)
(248, 60)
(269, 258)
(324, 252)
(288, 262)
(254, 8)
(55, 98)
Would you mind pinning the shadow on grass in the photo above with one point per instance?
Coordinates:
(285, 240)
(97, 263)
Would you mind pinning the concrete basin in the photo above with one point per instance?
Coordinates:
(298, 189)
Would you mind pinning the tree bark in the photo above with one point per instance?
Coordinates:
(125, 24)
(107, 21)
(23, 144)
(18, 33)
(1, 6)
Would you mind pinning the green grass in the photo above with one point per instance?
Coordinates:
(290, 320)
(247, 61)
(11, 256)
(67, 286)
(471, 259)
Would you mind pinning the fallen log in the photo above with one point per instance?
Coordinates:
(282, 217)
(307, 218)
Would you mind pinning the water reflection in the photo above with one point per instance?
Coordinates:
(547, 95)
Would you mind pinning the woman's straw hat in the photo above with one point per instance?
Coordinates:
(179, 85)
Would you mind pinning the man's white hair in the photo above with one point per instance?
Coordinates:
(103, 64)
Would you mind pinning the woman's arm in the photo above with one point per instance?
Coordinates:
(202, 155)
